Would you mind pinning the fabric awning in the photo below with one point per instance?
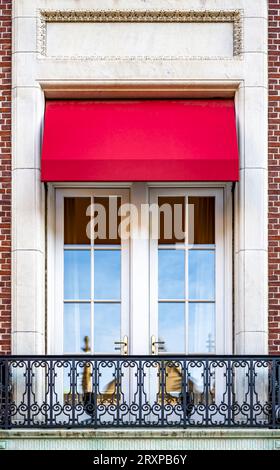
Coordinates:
(155, 140)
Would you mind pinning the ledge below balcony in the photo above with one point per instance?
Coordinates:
(160, 439)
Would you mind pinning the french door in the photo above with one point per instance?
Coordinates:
(155, 287)
(93, 272)
(92, 306)
(187, 296)
(187, 273)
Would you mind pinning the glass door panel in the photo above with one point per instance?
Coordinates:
(171, 275)
(107, 274)
(184, 293)
(171, 327)
(77, 275)
(107, 327)
(201, 300)
(186, 275)
(92, 274)
(95, 298)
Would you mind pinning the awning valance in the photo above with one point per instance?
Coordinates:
(143, 140)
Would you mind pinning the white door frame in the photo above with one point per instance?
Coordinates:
(138, 280)
(222, 268)
(55, 332)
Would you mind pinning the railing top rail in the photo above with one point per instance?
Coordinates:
(116, 357)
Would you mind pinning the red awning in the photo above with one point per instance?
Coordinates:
(155, 140)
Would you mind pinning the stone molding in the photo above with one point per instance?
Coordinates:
(140, 16)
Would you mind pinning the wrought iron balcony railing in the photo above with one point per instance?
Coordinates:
(142, 391)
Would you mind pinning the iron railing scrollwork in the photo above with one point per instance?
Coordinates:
(143, 391)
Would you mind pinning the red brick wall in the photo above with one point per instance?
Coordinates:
(5, 174)
(274, 175)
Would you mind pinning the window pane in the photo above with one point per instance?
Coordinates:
(76, 220)
(171, 274)
(201, 275)
(106, 228)
(77, 274)
(107, 327)
(171, 219)
(201, 229)
(76, 327)
(171, 327)
(107, 274)
(201, 328)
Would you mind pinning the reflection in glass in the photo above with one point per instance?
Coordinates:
(201, 328)
(108, 219)
(76, 220)
(171, 274)
(201, 275)
(77, 274)
(201, 223)
(107, 326)
(107, 274)
(171, 326)
(171, 219)
(76, 326)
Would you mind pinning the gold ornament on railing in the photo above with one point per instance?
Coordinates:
(86, 382)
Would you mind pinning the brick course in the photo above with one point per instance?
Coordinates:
(5, 174)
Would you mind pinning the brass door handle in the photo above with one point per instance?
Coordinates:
(123, 345)
(154, 343)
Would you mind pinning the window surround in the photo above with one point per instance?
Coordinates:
(244, 79)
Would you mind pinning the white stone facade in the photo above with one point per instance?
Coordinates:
(178, 48)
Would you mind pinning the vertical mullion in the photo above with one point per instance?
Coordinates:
(186, 250)
(59, 253)
(216, 214)
(123, 322)
(221, 320)
(92, 277)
